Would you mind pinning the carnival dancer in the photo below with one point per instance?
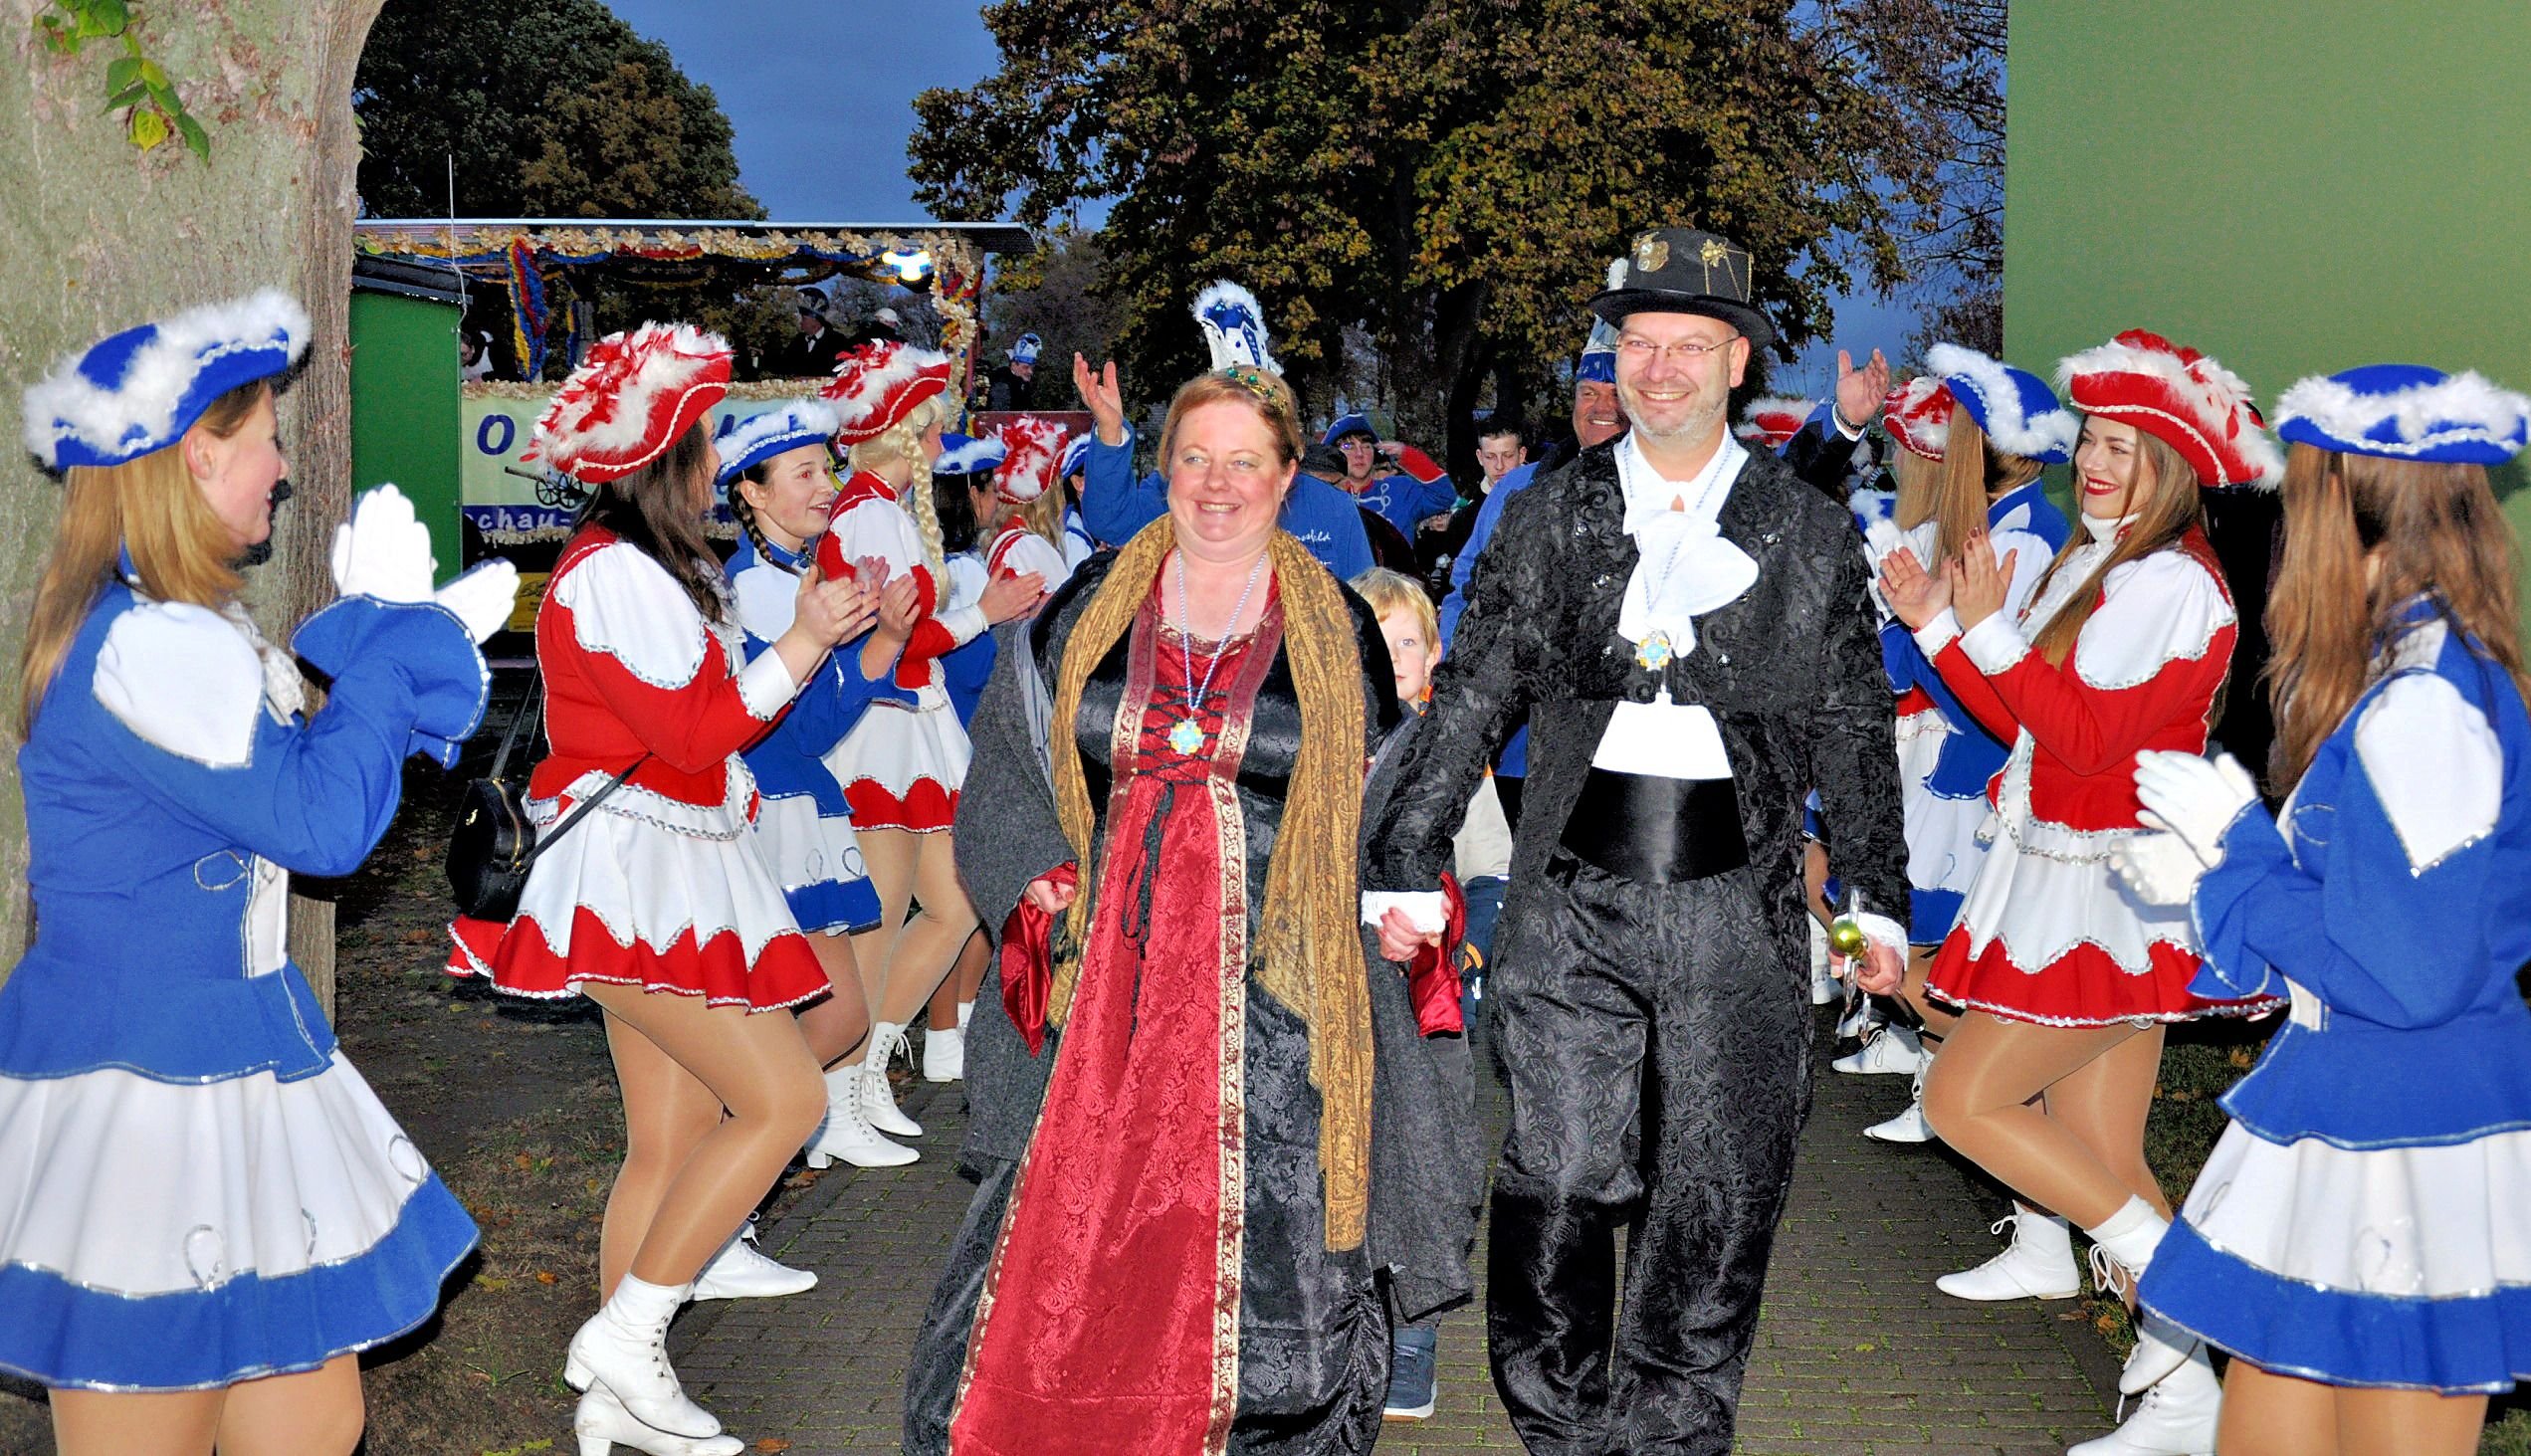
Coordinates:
(1024, 534)
(2064, 981)
(205, 1211)
(1687, 627)
(1973, 437)
(2356, 1240)
(780, 482)
(901, 765)
(657, 904)
(1222, 1140)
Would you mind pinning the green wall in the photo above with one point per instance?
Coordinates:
(404, 416)
(2292, 186)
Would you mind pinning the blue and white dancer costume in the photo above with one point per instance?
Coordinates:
(803, 823)
(2362, 1220)
(1945, 757)
(195, 1189)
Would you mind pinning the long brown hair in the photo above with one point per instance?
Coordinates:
(2436, 532)
(1954, 494)
(654, 509)
(2169, 514)
(151, 505)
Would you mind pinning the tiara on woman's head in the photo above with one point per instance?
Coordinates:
(1255, 380)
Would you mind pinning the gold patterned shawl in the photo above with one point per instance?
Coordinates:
(1308, 950)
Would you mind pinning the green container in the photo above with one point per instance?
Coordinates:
(404, 392)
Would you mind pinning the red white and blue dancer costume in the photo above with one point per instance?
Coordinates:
(2046, 933)
(803, 825)
(196, 1187)
(1031, 449)
(2362, 1220)
(1945, 757)
(663, 885)
(901, 766)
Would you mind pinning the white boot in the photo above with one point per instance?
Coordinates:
(846, 1134)
(878, 1100)
(741, 1270)
(1909, 1124)
(2122, 1249)
(602, 1423)
(624, 1348)
(2123, 1244)
(943, 1054)
(2038, 1264)
(1893, 1051)
(2175, 1418)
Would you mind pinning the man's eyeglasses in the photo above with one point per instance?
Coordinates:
(1645, 350)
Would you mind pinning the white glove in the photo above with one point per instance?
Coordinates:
(383, 550)
(2194, 798)
(2157, 867)
(483, 598)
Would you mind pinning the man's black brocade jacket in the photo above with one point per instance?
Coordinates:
(1790, 671)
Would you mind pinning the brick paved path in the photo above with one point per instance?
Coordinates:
(1857, 1354)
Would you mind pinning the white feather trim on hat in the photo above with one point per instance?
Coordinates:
(1234, 326)
(2217, 400)
(628, 388)
(154, 379)
(796, 417)
(868, 378)
(2005, 425)
(2467, 405)
(1616, 273)
(1032, 444)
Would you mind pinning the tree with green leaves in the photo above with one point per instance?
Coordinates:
(1451, 178)
(544, 109)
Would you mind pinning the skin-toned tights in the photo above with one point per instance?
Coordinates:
(2268, 1415)
(903, 962)
(692, 1175)
(314, 1413)
(2056, 1114)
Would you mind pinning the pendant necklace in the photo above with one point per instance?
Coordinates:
(1187, 735)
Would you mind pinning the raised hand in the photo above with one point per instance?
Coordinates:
(1101, 397)
(1859, 392)
(481, 598)
(1978, 581)
(383, 550)
(1915, 595)
(1006, 597)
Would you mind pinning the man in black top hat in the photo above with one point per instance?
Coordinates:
(1686, 627)
(811, 353)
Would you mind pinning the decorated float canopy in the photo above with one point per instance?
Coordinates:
(528, 258)
(459, 446)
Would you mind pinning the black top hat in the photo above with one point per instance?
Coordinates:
(1684, 271)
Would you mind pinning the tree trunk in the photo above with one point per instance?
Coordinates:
(102, 236)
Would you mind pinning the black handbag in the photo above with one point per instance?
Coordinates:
(494, 842)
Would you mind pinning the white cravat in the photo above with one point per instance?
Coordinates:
(1684, 569)
(1684, 566)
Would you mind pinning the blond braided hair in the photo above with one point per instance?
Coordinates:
(904, 441)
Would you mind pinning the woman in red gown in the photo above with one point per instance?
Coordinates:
(1215, 1159)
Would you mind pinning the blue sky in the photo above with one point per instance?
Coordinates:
(821, 93)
